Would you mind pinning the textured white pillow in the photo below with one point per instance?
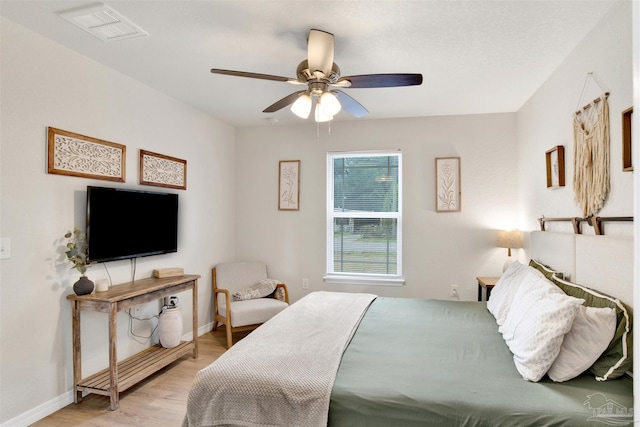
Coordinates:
(261, 289)
(592, 331)
(540, 315)
(505, 289)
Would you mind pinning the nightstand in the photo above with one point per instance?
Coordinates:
(488, 283)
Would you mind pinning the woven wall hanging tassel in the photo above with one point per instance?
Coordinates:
(591, 151)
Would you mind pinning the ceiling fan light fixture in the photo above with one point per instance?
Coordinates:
(302, 106)
(319, 73)
(320, 116)
(329, 104)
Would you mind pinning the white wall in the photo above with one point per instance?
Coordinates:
(230, 208)
(44, 84)
(546, 121)
(439, 249)
(503, 177)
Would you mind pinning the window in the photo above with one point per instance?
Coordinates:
(364, 217)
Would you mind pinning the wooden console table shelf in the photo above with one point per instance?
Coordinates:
(122, 375)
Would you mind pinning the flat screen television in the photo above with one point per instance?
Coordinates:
(123, 223)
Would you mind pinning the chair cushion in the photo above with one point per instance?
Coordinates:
(236, 276)
(253, 311)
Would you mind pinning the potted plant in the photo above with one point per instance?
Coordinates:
(77, 254)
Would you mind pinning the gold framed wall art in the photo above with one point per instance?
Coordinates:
(73, 154)
(160, 170)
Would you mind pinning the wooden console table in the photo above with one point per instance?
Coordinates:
(122, 375)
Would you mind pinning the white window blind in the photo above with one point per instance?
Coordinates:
(364, 217)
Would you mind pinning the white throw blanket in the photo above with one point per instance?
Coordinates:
(282, 374)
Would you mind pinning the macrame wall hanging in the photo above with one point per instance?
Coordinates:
(591, 151)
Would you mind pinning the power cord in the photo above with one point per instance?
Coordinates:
(136, 336)
(104, 264)
(134, 263)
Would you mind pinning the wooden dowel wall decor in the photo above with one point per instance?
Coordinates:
(594, 221)
(595, 101)
(574, 221)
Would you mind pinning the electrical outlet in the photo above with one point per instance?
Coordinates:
(305, 283)
(5, 248)
(454, 292)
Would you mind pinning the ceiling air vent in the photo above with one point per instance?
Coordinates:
(103, 22)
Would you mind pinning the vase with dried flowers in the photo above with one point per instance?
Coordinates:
(77, 254)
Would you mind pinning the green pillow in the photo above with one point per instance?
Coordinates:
(545, 269)
(618, 357)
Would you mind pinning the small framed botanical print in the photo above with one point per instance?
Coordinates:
(627, 165)
(448, 192)
(289, 185)
(555, 167)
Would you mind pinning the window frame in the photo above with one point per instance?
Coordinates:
(332, 276)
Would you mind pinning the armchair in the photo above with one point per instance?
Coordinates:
(232, 277)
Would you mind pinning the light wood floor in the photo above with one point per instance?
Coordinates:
(160, 400)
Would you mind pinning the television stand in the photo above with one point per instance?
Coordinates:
(122, 375)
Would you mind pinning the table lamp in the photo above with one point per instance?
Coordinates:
(510, 240)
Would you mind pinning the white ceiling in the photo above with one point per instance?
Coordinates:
(475, 56)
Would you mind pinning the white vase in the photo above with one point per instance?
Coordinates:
(170, 327)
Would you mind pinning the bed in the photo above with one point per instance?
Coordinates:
(360, 360)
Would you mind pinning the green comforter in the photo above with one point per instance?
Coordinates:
(417, 362)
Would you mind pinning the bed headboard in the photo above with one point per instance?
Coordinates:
(599, 262)
(557, 250)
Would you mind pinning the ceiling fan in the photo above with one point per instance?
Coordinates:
(322, 77)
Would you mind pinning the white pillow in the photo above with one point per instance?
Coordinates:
(540, 315)
(592, 331)
(505, 289)
(263, 288)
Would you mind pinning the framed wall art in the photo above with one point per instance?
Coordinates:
(448, 194)
(289, 185)
(555, 167)
(72, 154)
(627, 164)
(162, 171)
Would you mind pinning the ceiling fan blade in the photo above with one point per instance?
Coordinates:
(350, 105)
(320, 46)
(287, 100)
(254, 75)
(380, 80)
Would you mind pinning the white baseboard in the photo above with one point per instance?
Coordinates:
(39, 412)
(57, 403)
(201, 331)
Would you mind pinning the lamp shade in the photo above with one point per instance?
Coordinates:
(329, 104)
(509, 239)
(320, 116)
(302, 106)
